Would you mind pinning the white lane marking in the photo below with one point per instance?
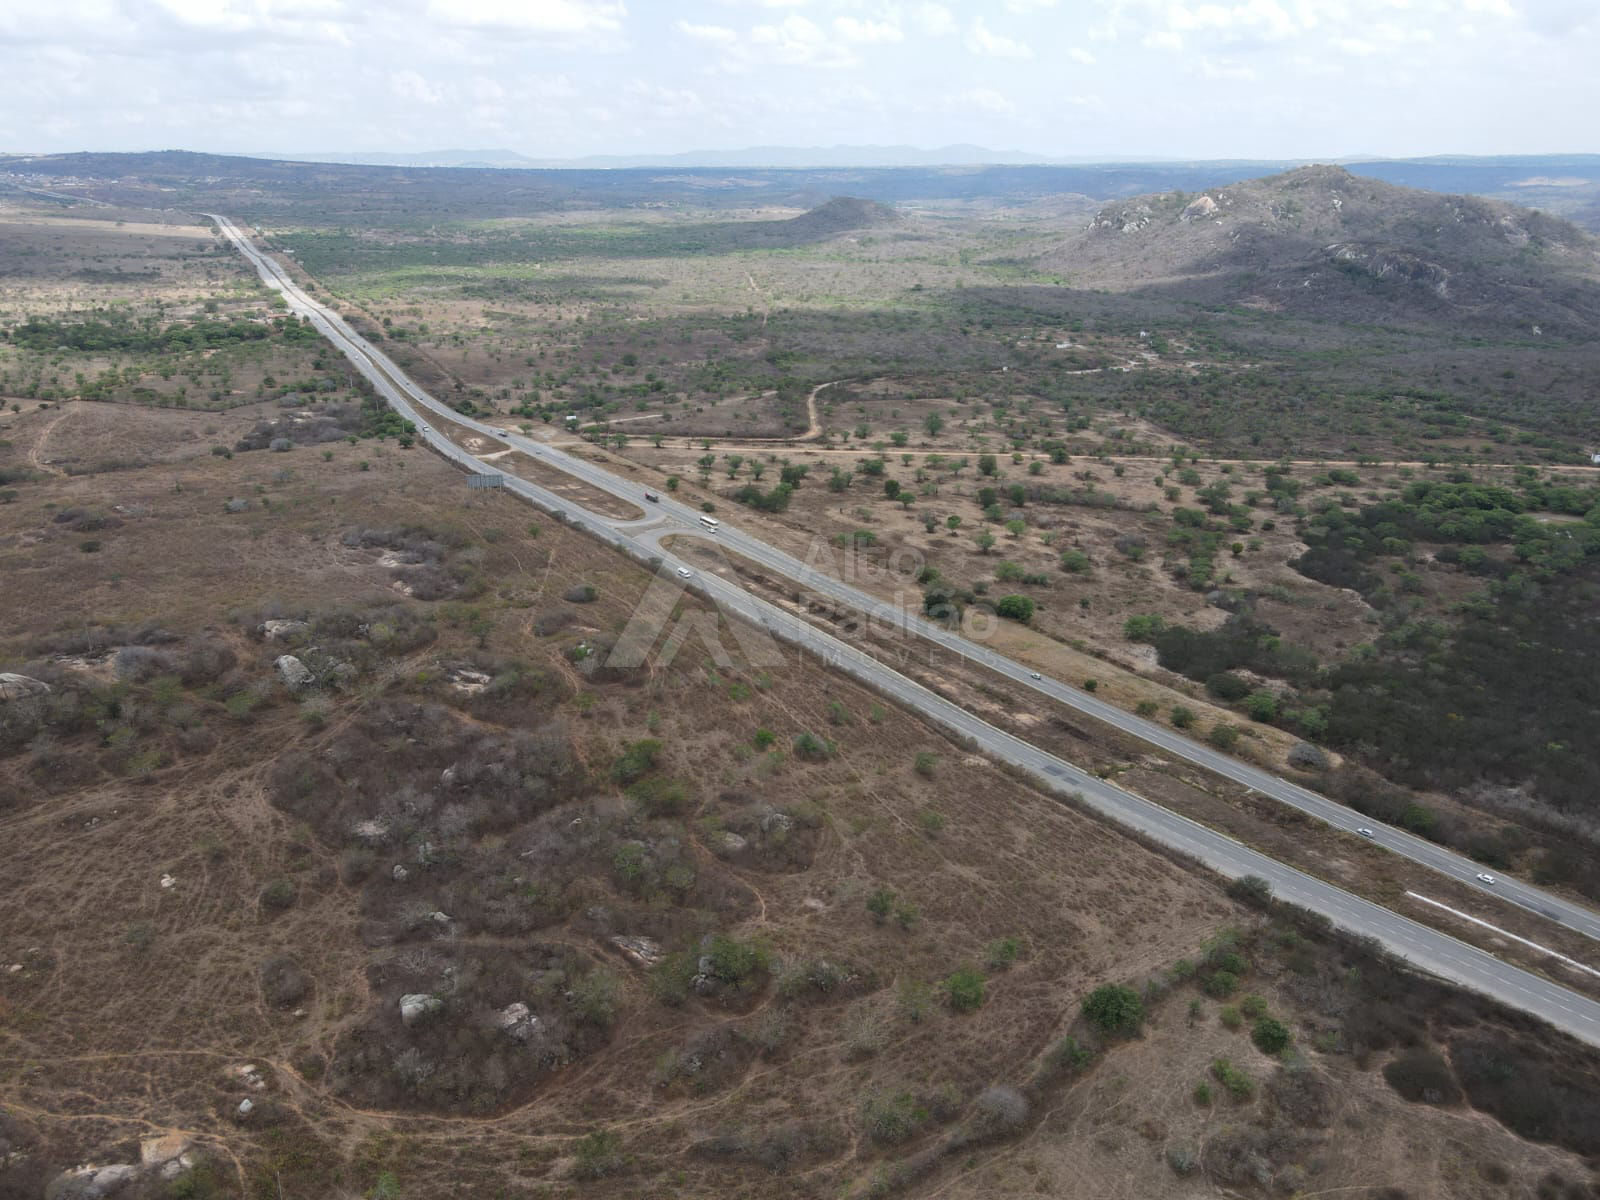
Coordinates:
(1555, 954)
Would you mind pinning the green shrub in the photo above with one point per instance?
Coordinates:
(880, 904)
(1114, 1009)
(1004, 953)
(658, 797)
(1015, 608)
(926, 764)
(1222, 984)
(1223, 736)
(1240, 1086)
(636, 759)
(965, 989)
(892, 1117)
(810, 747)
(1202, 1092)
(1270, 1035)
(597, 1155)
(1182, 718)
(1253, 1006)
(1229, 1016)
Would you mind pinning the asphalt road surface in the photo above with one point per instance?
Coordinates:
(642, 538)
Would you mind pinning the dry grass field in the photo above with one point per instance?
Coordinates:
(455, 904)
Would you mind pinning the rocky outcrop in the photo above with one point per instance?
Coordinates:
(295, 674)
(417, 1006)
(20, 687)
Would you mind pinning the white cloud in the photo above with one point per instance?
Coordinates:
(935, 20)
(1029, 6)
(529, 16)
(719, 35)
(797, 41)
(1080, 55)
(862, 33)
(408, 85)
(986, 100)
(981, 40)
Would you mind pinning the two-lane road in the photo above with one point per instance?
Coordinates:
(1425, 947)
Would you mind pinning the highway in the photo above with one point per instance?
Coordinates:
(1426, 948)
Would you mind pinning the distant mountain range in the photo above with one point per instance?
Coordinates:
(503, 182)
(755, 156)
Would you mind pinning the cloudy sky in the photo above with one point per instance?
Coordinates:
(562, 78)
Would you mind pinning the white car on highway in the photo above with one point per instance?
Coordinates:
(684, 573)
(1482, 878)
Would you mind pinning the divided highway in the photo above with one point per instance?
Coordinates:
(1423, 946)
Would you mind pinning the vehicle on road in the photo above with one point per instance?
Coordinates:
(1482, 878)
(1365, 832)
(684, 573)
(1034, 675)
(652, 497)
(502, 433)
(710, 523)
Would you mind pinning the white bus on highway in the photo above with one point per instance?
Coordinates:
(710, 523)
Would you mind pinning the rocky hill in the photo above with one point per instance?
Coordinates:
(1320, 241)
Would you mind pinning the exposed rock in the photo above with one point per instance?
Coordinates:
(20, 687)
(517, 1020)
(642, 950)
(400, 874)
(1200, 206)
(294, 673)
(248, 1074)
(246, 1107)
(168, 883)
(89, 1182)
(776, 822)
(469, 682)
(414, 1006)
(280, 631)
(729, 844)
(369, 831)
(158, 1151)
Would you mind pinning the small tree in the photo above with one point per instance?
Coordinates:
(1114, 1009)
(965, 989)
(1015, 608)
(1270, 1035)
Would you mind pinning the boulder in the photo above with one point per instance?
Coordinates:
(282, 631)
(728, 844)
(642, 950)
(518, 1021)
(294, 673)
(89, 1182)
(20, 687)
(159, 1151)
(414, 1006)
